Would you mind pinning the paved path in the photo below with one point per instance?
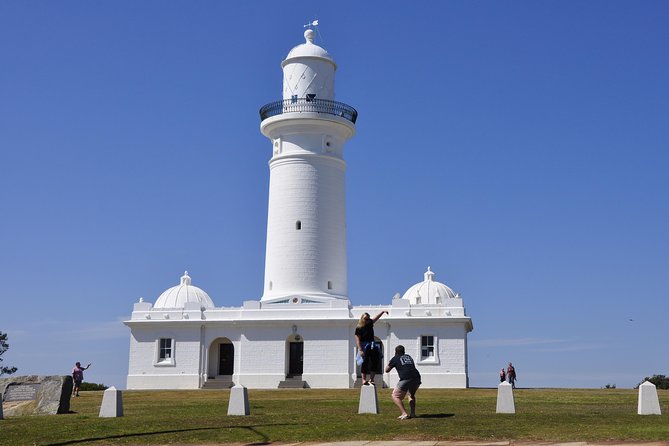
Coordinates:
(455, 443)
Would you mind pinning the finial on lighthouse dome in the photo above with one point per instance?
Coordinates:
(185, 279)
(429, 274)
(309, 36)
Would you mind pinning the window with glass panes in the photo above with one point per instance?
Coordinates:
(426, 347)
(165, 349)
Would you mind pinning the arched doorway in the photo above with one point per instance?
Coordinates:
(221, 358)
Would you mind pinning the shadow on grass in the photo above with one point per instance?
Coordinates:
(436, 415)
(264, 439)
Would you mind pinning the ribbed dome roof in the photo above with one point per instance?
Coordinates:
(308, 49)
(429, 291)
(177, 296)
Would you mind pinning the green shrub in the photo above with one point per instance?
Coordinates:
(92, 386)
(660, 381)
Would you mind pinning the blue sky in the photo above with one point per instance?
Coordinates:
(519, 148)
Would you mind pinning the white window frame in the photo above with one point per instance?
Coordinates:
(434, 359)
(165, 362)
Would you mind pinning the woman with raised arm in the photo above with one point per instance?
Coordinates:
(368, 348)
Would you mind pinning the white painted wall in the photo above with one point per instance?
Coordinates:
(260, 341)
(308, 189)
(308, 75)
(144, 369)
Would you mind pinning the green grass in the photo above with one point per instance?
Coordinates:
(200, 416)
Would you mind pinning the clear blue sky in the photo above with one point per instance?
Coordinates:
(519, 148)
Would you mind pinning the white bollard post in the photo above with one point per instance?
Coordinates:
(505, 403)
(649, 404)
(239, 401)
(112, 403)
(369, 402)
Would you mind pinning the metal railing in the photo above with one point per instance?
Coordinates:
(308, 105)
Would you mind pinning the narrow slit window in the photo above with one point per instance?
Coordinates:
(329, 284)
(270, 285)
(298, 225)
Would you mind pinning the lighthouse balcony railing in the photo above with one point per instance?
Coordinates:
(312, 105)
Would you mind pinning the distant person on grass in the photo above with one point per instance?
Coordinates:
(409, 381)
(368, 347)
(511, 375)
(78, 377)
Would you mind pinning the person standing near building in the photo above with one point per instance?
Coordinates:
(502, 375)
(368, 347)
(78, 377)
(408, 383)
(511, 375)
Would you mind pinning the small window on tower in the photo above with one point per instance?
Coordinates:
(311, 97)
(293, 99)
(329, 284)
(298, 225)
(270, 285)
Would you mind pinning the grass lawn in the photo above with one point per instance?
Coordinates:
(200, 416)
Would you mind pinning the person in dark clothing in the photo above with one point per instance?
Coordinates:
(368, 347)
(78, 377)
(502, 376)
(409, 381)
(511, 375)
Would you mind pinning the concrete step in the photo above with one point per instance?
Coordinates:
(293, 382)
(220, 382)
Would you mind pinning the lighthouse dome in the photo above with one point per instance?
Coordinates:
(308, 49)
(178, 296)
(429, 291)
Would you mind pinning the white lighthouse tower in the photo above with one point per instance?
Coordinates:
(300, 334)
(306, 224)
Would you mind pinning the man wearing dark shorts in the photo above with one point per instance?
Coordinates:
(409, 381)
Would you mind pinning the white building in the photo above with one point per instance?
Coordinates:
(301, 331)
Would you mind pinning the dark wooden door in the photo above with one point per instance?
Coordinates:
(295, 358)
(226, 359)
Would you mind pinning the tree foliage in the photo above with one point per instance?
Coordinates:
(92, 386)
(660, 381)
(3, 348)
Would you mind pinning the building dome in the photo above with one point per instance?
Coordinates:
(178, 296)
(308, 49)
(429, 291)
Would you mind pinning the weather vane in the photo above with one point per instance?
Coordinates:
(313, 23)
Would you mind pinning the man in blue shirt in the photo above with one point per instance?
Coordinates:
(409, 381)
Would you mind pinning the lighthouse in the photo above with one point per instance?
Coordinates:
(300, 333)
(305, 256)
